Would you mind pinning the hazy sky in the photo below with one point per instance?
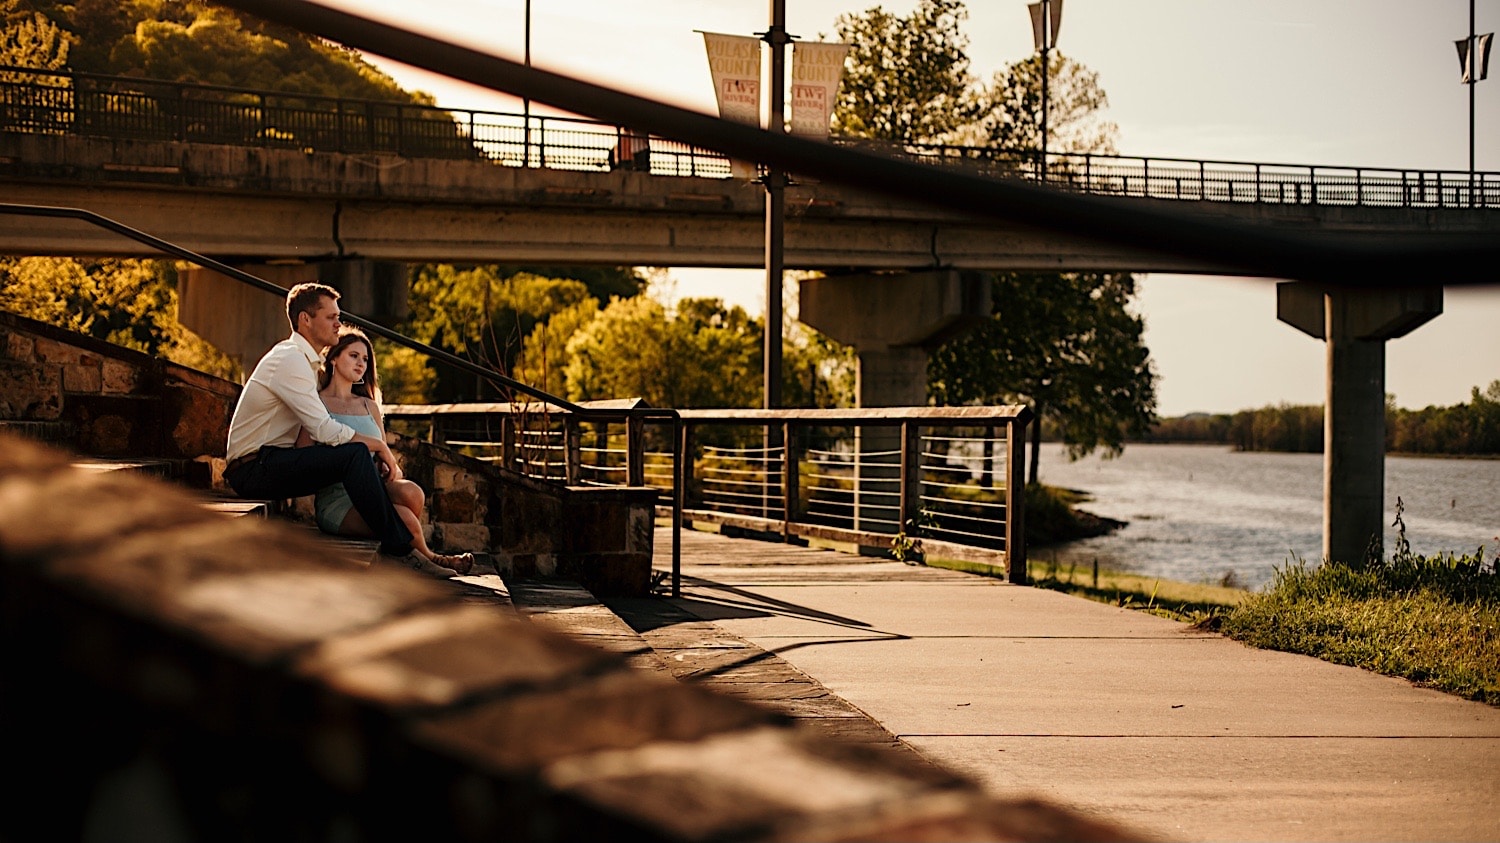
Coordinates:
(1369, 83)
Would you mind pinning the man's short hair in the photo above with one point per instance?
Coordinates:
(304, 298)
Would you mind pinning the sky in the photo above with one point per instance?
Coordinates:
(1366, 83)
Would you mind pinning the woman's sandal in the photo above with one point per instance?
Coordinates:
(459, 563)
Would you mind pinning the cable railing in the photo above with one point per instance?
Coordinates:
(925, 480)
(65, 102)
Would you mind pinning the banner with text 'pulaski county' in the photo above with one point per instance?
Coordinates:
(817, 69)
(734, 63)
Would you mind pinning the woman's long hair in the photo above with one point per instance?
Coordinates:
(370, 386)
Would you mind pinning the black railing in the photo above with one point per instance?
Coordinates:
(58, 102)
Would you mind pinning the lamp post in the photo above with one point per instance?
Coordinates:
(526, 101)
(1474, 62)
(776, 36)
(1046, 17)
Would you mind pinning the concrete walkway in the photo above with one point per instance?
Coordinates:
(1120, 715)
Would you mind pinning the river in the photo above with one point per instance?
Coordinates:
(1197, 513)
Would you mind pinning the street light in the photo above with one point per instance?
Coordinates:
(1046, 17)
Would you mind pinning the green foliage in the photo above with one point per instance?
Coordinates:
(1012, 116)
(1472, 428)
(1461, 429)
(907, 79)
(193, 41)
(131, 303)
(1434, 620)
(30, 39)
(704, 355)
(1065, 344)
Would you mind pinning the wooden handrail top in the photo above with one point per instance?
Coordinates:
(995, 414)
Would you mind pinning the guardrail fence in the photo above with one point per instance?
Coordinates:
(911, 481)
(62, 102)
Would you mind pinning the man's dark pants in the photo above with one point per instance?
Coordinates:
(293, 472)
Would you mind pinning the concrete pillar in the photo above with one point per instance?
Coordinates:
(1355, 326)
(245, 322)
(892, 320)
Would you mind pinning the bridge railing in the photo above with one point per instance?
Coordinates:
(59, 102)
(941, 481)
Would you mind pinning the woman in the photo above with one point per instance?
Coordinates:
(351, 391)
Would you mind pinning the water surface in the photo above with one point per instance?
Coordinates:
(1198, 513)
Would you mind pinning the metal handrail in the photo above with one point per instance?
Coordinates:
(748, 471)
(670, 416)
(352, 125)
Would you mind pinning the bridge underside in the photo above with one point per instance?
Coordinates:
(266, 205)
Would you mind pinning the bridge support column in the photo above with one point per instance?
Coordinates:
(244, 322)
(1355, 326)
(893, 321)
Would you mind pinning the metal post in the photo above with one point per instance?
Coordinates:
(1046, 49)
(1015, 501)
(526, 101)
(635, 451)
(910, 498)
(790, 481)
(1473, 80)
(777, 38)
(682, 463)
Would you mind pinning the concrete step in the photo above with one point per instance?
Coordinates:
(52, 432)
(164, 469)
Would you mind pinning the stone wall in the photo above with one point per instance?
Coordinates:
(171, 674)
(600, 537)
(113, 401)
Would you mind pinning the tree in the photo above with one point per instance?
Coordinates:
(1013, 109)
(907, 79)
(30, 39)
(704, 355)
(131, 303)
(1067, 345)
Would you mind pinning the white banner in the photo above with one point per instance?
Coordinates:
(817, 69)
(734, 62)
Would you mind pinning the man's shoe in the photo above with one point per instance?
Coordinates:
(416, 562)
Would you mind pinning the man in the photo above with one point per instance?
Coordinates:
(280, 399)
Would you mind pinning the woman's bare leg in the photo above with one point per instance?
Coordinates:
(408, 494)
(353, 525)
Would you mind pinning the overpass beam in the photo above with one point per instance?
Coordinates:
(1355, 326)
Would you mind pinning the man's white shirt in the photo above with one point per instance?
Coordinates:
(281, 398)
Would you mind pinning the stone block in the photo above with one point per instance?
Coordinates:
(19, 346)
(82, 377)
(461, 537)
(30, 391)
(118, 377)
(52, 351)
(197, 420)
(453, 504)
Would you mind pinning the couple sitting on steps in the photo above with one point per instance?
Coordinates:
(308, 421)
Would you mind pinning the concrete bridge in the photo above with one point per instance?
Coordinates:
(262, 177)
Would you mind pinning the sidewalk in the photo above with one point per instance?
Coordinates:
(1121, 715)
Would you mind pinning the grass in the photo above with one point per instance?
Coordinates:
(1432, 620)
